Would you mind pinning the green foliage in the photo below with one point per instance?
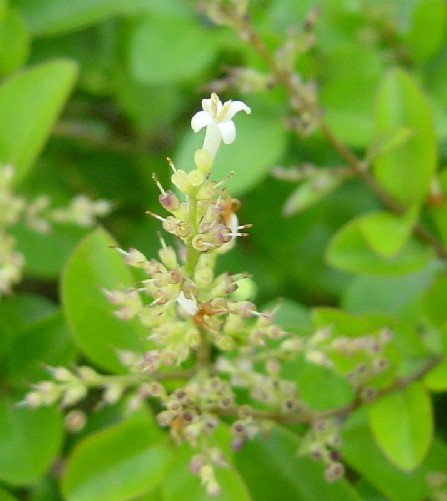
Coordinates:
(119, 463)
(94, 267)
(94, 95)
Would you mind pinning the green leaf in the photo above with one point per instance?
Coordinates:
(93, 267)
(6, 496)
(17, 313)
(438, 206)
(400, 296)
(183, 483)
(391, 140)
(351, 117)
(44, 343)
(427, 29)
(261, 135)
(406, 171)
(435, 300)
(53, 17)
(350, 251)
(273, 470)
(117, 464)
(310, 192)
(14, 42)
(46, 253)
(402, 424)
(436, 379)
(360, 451)
(386, 233)
(165, 49)
(30, 103)
(30, 440)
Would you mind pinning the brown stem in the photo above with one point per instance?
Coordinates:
(358, 167)
(309, 417)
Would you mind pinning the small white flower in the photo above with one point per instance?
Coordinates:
(188, 307)
(218, 120)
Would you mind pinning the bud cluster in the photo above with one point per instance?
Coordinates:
(362, 360)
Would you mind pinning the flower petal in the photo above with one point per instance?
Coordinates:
(206, 105)
(201, 119)
(227, 131)
(236, 107)
(188, 306)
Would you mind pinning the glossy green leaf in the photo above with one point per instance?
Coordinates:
(406, 171)
(427, 29)
(310, 192)
(14, 42)
(165, 49)
(182, 483)
(435, 300)
(117, 464)
(386, 233)
(273, 470)
(30, 103)
(93, 267)
(402, 424)
(361, 452)
(30, 441)
(52, 17)
(260, 134)
(349, 250)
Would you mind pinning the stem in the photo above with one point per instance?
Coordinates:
(357, 166)
(308, 417)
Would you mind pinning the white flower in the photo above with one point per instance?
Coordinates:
(188, 307)
(217, 118)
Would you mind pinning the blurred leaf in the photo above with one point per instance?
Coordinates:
(6, 496)
(350, 251)
(350, 117)
(402, 424)
(165, 49)
(427, 29)
(310, 192)
(46, 253)
(310, 378)
(14, 41)
(183, 483)
(390, 141)
(53, 17)
(400, 296)
(386, 233)
(273, 470)
(117, 464)
(260, 143)
(93, 267)
(45, 342)
(438, 208)
(405, 172)
(435, 300)
(30, 103)
(361, 452)
(436, 379)
(30, 441)
(19, 312)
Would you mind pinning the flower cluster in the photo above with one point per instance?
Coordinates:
(200, 333)
(38, 215)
